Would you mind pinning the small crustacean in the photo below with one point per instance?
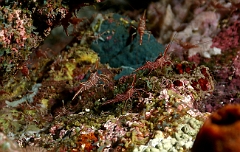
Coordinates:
(125, 96)
(97, 37)
(225, 8)
(159, 62)
(186, 45)
(216, 4)
(92, 81)
(141, 28)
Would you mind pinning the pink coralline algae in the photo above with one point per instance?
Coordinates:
(227, 84)
(228, 38)
(16, 31)
(236, 64)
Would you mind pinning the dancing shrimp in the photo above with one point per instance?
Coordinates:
(141, 28)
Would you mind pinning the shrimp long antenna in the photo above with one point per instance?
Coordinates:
(169, 44)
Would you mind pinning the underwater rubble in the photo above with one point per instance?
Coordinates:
(94, 85)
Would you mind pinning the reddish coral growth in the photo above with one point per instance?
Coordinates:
(188, 70)
(220, 133)
(226, 72)
(179, 68)
(86, 143)
(187, 67)
(177, 83)
(228, 38)
(204, 84)
(194, 84)
(204, 72)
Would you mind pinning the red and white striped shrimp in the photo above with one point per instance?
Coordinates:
(141, 28)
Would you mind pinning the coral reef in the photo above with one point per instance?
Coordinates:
(17, 38)
(228, 38)
(7, 145)
(76, 77)
(227, 82)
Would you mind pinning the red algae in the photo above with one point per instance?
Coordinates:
(228, 38)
